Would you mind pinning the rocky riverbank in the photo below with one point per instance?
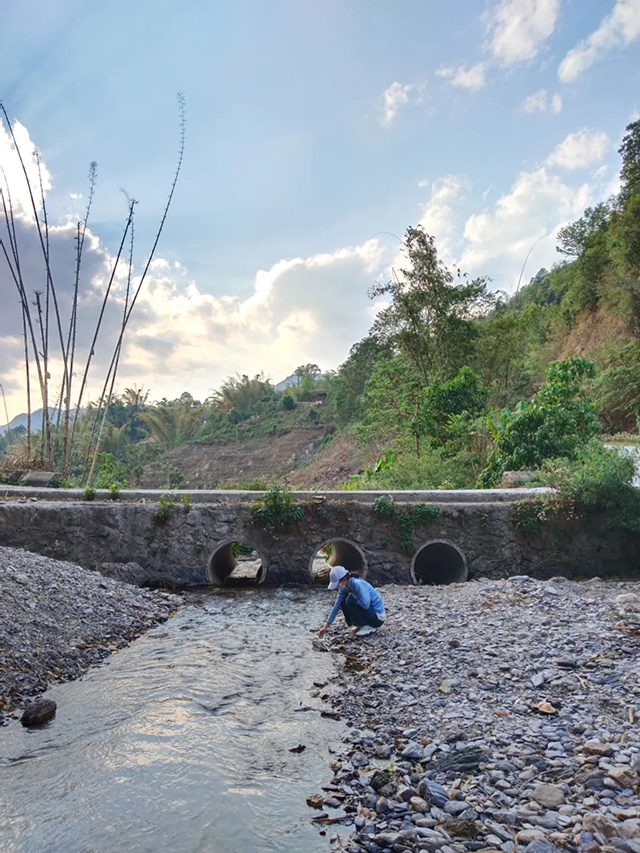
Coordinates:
(492, 716)
(57, 619)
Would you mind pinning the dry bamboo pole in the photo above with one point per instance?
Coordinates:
(99, 323)
(71, 342)
(28, 377)
(15, 274)
(115, 370)
(116, 355)
(43, 246)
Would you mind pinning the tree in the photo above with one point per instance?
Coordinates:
(442, 402)
(429, 318)
(574, 239)
(630, 153)
(347, 386)
(556, 423)
(616, 390)
(174, 422)
(240, 392)
(392, 404)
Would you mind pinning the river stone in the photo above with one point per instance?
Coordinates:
(459, 761)
(595, 747)
(39, 712)
(419, 805)
(624, 776)
(549, 796)
(540, 846)
(458, 827)
(413, 751)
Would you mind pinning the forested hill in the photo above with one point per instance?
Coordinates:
(454, 385)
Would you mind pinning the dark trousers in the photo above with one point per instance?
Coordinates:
(354, 614)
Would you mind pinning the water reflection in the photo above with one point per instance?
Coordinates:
(181, 742)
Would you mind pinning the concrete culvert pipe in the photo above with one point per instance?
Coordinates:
(225, 569)
(343, 553)
(439, 563)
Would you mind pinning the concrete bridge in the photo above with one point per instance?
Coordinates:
(191, 541)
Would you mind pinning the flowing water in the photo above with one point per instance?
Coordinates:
(181, 743)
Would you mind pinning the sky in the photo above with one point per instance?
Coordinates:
(316, 133)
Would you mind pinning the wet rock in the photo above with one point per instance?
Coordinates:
(39, 712)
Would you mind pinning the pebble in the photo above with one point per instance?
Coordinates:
(508, 724)
(57, 619)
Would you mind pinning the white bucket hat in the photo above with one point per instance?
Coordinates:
(335, 576)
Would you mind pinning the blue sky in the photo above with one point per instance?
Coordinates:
(311, 128)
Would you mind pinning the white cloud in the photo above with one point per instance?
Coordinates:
(300, 310)
(556, 103)
(397, 95)
(618, 29)
(540, 102)
(437, 216)
(497, 241)
(517, 28)
(580, 149)
(472, 78)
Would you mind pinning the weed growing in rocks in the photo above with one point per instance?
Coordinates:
(164, 510)
(185, 500)
(89, 495)
(409, 517)
(277, 509)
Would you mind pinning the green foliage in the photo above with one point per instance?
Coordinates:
(89, 495)
(347, 387)
(185, 500)
(409, 516)
(277, 510)
(443, 403)
(174, 422)
(599, 480)
(384, 507)
(557, 422)
(175, 479)
(288, 403)
(528, 516)
(382, 463)
(110, 472)
(616, 390)
(240, 548)
(164, 509)
(240, 393)
(429, 319)
(114, 492)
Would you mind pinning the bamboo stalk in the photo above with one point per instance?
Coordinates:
(116, 355)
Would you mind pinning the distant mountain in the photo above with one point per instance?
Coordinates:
(36, 420)
(294, 380)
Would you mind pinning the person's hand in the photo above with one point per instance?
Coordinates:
(323, 630)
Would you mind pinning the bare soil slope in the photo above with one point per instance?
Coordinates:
(331, 466)
(208, 466)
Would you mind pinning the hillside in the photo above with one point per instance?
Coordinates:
(233, 463)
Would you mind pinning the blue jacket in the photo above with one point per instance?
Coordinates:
(365, 595)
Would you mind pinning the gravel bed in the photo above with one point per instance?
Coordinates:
(492, 716)
(57, 619)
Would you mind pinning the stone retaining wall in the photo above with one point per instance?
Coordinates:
(179, 551)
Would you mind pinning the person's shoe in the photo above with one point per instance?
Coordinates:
(365, 630)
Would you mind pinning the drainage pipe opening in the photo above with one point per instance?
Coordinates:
(337, 552)
(235, 564)
(439, 563)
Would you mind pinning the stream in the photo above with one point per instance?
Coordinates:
(181, 742)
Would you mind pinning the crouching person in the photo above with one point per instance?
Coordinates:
(359, 601)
